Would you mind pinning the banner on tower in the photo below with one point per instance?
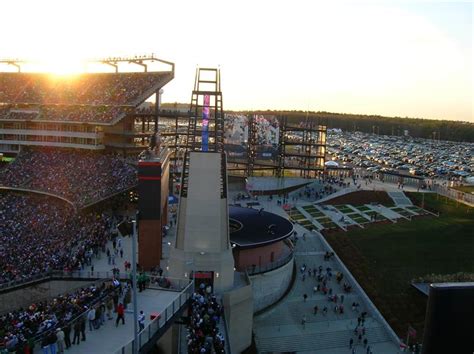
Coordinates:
(205, 123)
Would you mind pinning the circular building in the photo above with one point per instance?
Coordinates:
(261, 247)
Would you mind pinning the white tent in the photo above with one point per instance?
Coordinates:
(331, 164)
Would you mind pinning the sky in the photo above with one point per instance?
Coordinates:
(393, 58)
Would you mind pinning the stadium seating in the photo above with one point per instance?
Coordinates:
(81, 177)
(40, 234)
(97, 97)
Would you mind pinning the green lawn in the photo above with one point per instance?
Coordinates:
(310, 208)
(362, 208)
(359, 219)
(373, 212)
(385, 258)
(343, 208)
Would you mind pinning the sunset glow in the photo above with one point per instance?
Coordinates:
(394, 58)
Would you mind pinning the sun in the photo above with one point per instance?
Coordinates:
(60, 64)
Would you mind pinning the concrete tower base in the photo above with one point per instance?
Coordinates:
(202, 240)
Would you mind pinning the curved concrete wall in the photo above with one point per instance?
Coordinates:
(260, 256)
(269, 287)
(24, 297)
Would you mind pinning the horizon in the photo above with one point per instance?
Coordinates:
(391, 59)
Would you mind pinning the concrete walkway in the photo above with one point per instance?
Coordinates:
(109, 338)
(280, 329)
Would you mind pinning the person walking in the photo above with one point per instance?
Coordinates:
(303, 321)
(141, 321)
(91, 318)
(120, 314)
(52, 339)
(110, 306)
(45, 345)
(77, 332)
(67, 335)
(305, 296)
(83, 328)
(61, 342)
(351, 343)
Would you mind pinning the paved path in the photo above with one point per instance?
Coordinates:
(109, 338)
(280, 330)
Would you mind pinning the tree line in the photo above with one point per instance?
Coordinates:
(415, 127)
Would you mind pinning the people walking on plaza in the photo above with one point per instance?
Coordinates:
(77, 332)
(52, 339)
(61, 342)
(315, 310)
(67, 335)
(351, 342)
(141, 321)
(83, 328)
(303, 321)
(91, 318)
(120, 314)
(110, 306)
(305, 296)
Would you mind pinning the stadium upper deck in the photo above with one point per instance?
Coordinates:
(96, 97)
(93, 111)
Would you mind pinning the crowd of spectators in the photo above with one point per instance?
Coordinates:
(204, 316)
(52, 321)
(40, 234)
(78, 176)
(100, 97)
(90, 89)
(60, 113)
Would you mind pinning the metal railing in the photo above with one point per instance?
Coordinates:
(156, 282)
(159, 322)
(37, 338)
(454, 194)
(32, 279)
(254, 270)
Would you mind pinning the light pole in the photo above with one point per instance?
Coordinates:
(134, 288)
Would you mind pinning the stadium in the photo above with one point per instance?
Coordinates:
(74, 144)
(229, 209)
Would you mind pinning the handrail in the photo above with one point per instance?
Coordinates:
(454, 194)
(37, 191)
(158, 322)
(37, 338)
(271, 266)
(175, 284)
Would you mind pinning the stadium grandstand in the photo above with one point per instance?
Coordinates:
(69, 140)
(70, 135)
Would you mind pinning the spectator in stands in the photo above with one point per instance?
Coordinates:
(41, 234)
(68, 174)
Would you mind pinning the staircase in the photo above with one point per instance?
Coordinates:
(399, 198)
(317, 341)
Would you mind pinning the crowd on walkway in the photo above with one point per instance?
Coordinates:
(40, 234)
(52, 323)
(204, 313)
(80, 177)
